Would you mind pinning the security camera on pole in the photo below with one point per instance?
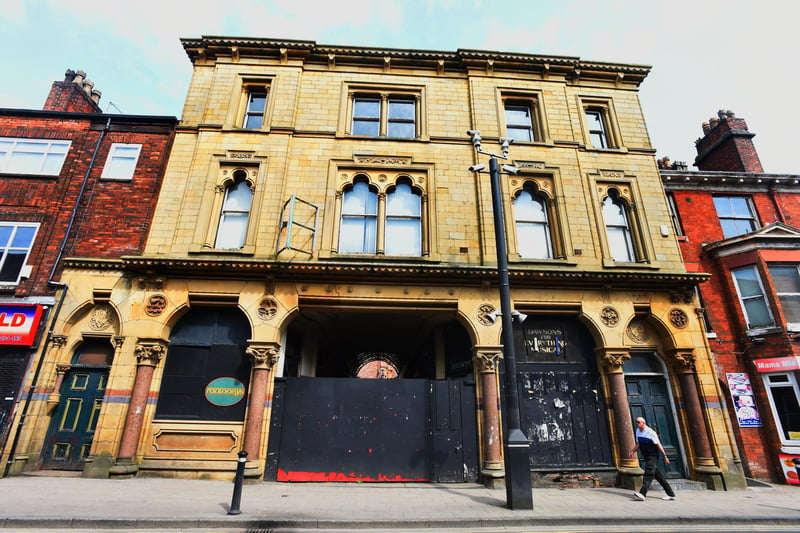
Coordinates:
(516, 447)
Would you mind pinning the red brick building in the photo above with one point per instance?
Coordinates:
(742, 226)
(76, 182)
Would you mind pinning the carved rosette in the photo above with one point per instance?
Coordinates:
(684, 360)
(613, 361)
(267, 309)
(609, 317)
(263, 356)
(486, 314)
(155, 305)
(149, 353)
(487, 360)
(678, 318)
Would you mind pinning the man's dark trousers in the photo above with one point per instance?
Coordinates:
(651, 471)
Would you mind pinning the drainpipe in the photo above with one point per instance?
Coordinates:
(777, 205)
(63, 286)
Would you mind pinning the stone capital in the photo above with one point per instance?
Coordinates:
(614, 358)
(683, 359)
(487, 358)
(263, 355)
(149, 352)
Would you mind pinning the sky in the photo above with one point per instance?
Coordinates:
(706, 55)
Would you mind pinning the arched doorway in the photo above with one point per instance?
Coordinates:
(562, 410)
(381, 395)
(649, 397)
(80, 396)
(206, 373)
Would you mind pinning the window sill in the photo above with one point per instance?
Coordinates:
(382, 138)
(26, 176)
(618, 150)
(246, 250)
(372, 258)
(767, 330)
(524, 261)
(610, 263)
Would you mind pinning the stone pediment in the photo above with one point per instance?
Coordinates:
(775, 235)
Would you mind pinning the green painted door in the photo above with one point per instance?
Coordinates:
(648, 397)
(72, 426)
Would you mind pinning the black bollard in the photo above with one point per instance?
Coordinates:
(237, 483)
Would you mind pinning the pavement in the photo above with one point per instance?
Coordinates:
(38, 503)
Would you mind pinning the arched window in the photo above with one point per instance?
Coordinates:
(359, 219)
(206, 372)
(403, 221)
(533, 229)
(235, 214)
(618, 228)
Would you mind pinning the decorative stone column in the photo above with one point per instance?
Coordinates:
(61, 369)
(149, 352)
(55, 396)
(683, 360)
(263, 357)
(485, 361)
(628, 467)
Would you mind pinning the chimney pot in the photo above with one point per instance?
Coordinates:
(714, 122)
(87, 87)
(706, 128)
(69, 75)
(721, 114)
(96, 94)
(80, 75)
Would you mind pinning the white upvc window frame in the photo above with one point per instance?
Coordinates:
(781, 380)
(762, 296)
(121, 162)
(6, 247)
(789, 299)
(18, 155)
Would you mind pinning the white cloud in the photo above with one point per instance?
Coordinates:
(706, 55)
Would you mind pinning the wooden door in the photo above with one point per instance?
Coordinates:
(69, 438)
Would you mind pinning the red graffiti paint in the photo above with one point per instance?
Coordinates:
(284, 475)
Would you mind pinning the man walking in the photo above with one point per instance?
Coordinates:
(647, 440)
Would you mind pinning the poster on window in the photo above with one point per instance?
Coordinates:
(789, 468)
(743, 400)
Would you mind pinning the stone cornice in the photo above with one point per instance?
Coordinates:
(719, 181)
(210, 48)
(418, 272)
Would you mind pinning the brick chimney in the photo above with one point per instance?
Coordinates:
(727, 145)
(75, 94)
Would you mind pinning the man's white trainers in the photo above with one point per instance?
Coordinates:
(668, 498)
(639, 496)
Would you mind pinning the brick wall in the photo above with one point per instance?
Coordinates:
(112, 218)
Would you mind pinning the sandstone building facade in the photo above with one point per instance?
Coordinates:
(319, 225)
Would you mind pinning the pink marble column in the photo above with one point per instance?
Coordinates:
(485, 360)
(148, 355)
(263, 357)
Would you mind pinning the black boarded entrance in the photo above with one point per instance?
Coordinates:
(562, 410)
(382, 430)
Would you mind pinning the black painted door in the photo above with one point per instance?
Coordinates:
(648, 397)
(72, 426)
(562, 415)
(340, 429)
